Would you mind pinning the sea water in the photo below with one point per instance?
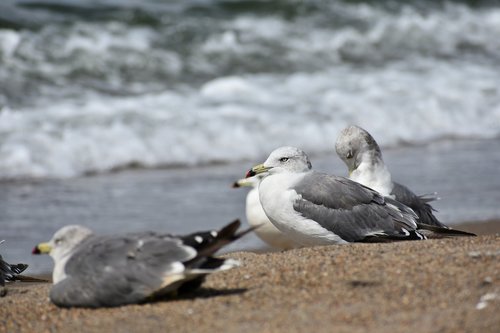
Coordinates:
(191, 93)
(464, 173)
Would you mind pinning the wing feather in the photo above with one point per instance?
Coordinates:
(351, 210)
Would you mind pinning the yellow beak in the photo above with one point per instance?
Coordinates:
(351, 170)
(42, 248)
(242, 183)
(258, 169)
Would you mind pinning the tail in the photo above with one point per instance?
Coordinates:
(10, 272)
(209, 242)
(433, 231)
(206, 244)
(18, 268)
(25, 278)
(429, 197)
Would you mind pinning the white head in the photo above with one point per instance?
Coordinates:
(284, 159)
(355, 145)
(63, 242)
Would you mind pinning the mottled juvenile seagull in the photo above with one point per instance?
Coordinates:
(363, 157)
(257, 218)
(104, 271)
(315, 208)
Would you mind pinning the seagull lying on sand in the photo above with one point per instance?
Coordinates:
(104, 271)
(9, 272)
(363, 157)
(257, 218)
(314, 208)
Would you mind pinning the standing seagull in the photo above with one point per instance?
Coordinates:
(258, 219)
(104, 271)
(315, 208)
(363, 157)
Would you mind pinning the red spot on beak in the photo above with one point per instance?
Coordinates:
(36, 250)
(250, 173)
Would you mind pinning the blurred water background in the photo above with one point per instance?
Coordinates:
(183, 96)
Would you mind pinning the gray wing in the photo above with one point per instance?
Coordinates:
(419, 205)
(111, 271)
(352, 211)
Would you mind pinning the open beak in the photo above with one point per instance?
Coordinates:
(42, 248)
(257, 169)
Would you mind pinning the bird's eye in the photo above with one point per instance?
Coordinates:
(349, 154)
(58, 241)
(283, 159)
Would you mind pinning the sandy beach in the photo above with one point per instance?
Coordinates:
(450, 285)
(135, 116)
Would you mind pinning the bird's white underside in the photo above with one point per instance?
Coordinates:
(266, 230)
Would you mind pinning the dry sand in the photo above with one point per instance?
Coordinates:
(425, 286)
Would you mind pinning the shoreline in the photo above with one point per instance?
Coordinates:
(445, 285)
(246, 162)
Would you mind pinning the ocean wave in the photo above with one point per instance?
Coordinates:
(82, 96)
(244, 117)
(113, 57)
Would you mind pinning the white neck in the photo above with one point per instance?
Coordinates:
(373, 173)
(59, 262)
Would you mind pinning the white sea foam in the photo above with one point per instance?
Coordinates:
(237, 118)
(108, 95)
(9, 41)
(378, 35)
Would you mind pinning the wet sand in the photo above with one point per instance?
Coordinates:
(427, 286)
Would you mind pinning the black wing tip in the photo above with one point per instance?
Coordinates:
(18, 268)
(224, 236)
(444, 231)
(11, 272)
(409, 235)
(229, 230)
(204, 239)
(26, 278)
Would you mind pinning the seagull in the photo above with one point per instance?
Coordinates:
(315, 208)
(105, 271)
(363, 157)
(9, 272)
(257, 218)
